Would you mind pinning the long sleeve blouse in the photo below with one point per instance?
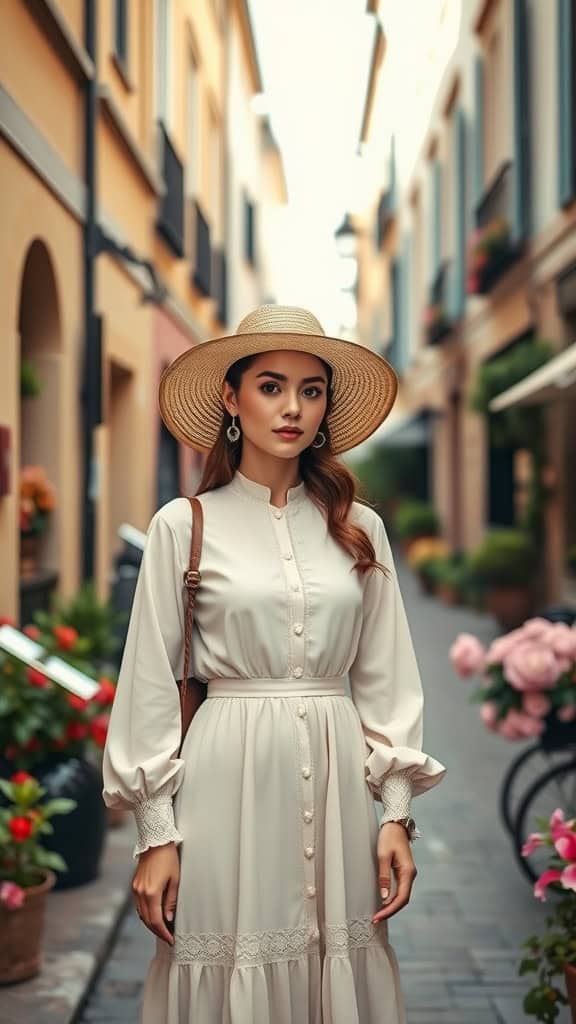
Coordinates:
(253, 619)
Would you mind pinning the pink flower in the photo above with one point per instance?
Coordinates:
(11, 895)
(535, 839)
(534, 629)
(562, 640)
(568, 878)
(467, 655)
(508, 729)
(536, 704)
(552, 875)
(518, 726)
(566, 845)
(502, 646)
(531, 666)
(489, 714)
(567, 713)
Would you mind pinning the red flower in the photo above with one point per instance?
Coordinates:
(38, 679)
(11, 753)
(78, 703)
(105, 694)
(20, 829)
(32, 631)
(6, 620)
(21, 777)
(76, 731)
(66, 637)
(33, 744)
(99, 729)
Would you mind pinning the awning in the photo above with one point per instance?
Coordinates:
(404, 432)
(543, 385)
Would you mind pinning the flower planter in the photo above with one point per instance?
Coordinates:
(570, 977)
(510, 606)
(21, 929)
(29, 547)
(79, 836)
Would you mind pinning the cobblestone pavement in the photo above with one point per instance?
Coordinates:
(458, 941)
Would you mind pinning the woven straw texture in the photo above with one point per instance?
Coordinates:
(363, 386)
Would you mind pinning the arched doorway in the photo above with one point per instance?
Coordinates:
(40, 330)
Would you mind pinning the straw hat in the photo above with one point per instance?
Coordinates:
(363, 384)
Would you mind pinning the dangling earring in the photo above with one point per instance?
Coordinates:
(233, 432)
(320, 440)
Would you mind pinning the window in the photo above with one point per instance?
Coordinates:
(249, 231)
(192, 131)
(121, 31)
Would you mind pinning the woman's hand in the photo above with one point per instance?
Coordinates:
(394, 854)
(155, 887)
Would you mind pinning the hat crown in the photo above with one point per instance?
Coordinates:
(273, 319)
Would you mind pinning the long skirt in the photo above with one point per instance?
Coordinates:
(279, 873)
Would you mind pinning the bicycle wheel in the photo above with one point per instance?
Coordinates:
(523, 772)
(555, 788)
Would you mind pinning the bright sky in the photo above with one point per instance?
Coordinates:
(314, 56)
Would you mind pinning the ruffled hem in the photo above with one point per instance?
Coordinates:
(425, 771)
(360, 986)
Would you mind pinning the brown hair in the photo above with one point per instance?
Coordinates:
(329, 482)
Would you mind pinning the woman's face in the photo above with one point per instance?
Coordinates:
(281, 402)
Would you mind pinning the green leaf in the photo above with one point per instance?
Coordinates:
(528, 966)
(59, 806)
(49, 859)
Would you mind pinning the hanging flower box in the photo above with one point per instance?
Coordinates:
(491, 253)
(437, 323)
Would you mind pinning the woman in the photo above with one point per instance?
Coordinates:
(261, 868)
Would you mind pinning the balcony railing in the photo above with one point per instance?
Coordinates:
(220, 284)
(384, 216)
(202, 251)
(170, 222)
(439, 320)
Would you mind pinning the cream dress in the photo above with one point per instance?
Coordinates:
(272, 798)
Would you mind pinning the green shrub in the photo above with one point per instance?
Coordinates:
(416, 519)
(505, 558)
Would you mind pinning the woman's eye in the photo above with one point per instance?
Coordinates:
(312, 392)
(268, 387)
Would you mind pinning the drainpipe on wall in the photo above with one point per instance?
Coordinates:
(92, 369)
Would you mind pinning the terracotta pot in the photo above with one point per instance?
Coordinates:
(570, 976)
(510, 606)
(21, 930)
(29, 546)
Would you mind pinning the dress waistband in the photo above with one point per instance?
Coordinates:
(331, 686)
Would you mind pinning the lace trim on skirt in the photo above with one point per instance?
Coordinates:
(260, 948)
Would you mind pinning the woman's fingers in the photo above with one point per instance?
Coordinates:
(154, 919)
(405, 873)
(170, 898)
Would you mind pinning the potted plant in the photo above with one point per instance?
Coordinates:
(450, 575)
(415, 519)
(58, 735)
(436, 322)
(526, 681)
(26, 873)
(490, 254)
(422, 555)
(504, 566)
(37, 501)
(554, 952)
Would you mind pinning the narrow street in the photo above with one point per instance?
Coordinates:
(459, 941)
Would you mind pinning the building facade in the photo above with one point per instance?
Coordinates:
(467, 251)
(117, 134)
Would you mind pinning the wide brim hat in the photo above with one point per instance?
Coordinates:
(363, 387)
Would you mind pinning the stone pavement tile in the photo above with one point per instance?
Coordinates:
(456, 1016)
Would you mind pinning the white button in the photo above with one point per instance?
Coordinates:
(315, 935)
(298, 672)
(311, 891)
(308, 815)
(306, 773)
(287, 556)
(301, 711)
(295, 586)
(309, 852)
(298, 628)
(278, 513)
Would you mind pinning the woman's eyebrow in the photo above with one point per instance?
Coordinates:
(284, 378)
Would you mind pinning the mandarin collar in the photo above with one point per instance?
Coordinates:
(250, 489)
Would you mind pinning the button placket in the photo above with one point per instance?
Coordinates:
(296, 636)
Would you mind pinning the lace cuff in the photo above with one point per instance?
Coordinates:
(155, 820)
(396, 796)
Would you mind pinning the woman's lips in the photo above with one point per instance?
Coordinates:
(289, 435)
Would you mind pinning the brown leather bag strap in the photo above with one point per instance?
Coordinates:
(192, 580)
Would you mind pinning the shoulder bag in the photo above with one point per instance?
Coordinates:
(192, 691)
